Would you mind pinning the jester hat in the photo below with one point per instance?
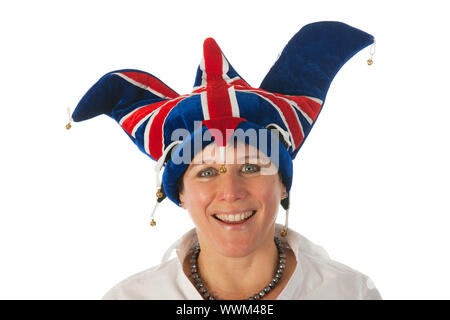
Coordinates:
(286, 104)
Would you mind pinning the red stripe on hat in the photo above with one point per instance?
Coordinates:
(212, 56)
(156, 144)
(239, 82)
(219, 104)
(294, 125)
(129, 124)
(217, 94)
(151, 82)
(199, 90)
(307, 105)
(222, 124)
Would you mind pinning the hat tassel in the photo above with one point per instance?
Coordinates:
(372, 52)
(153, 222)
(285, 205)
(285, 229)
(69, 124)
(160, 194)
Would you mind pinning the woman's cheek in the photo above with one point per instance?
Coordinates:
(199, 200)
(268, 192)
(196, 193)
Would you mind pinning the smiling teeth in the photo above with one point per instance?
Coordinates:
(234, 217)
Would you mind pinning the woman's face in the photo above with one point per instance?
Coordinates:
(251, 185)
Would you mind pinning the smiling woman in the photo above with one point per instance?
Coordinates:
(234, 213)
(232, 172)
(217, 201)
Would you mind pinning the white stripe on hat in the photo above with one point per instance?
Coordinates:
(233, 79)
(281, 116)
(233, 101)
(295, 105)
(229, 81)
(283, 132)
(204, 101)
(125, 117)
(202, 67)
(291, 102)
(149, 124)
(140, 85)
(312, 98)
(136, 127)
(147, 130)
(225, 68)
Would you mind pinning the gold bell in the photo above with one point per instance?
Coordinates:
(222, 169)
(283, 233)
(153, 223)
(372, 52)
(159, 194)
(69, 125)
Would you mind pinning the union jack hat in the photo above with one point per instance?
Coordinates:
(286, 104)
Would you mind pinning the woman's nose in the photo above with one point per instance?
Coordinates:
(231, 188)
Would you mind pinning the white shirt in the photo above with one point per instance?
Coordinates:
(316, 276)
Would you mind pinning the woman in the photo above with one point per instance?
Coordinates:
(234, 213)
(227, 149)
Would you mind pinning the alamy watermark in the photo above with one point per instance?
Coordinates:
(236, 143)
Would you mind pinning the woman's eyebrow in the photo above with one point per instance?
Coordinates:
(194, 164)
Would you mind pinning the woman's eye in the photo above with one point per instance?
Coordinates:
(206, 173)
(250, 168)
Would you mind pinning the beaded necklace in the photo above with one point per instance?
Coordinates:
(201, 287)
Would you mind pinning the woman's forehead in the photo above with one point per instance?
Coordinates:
(235, 152)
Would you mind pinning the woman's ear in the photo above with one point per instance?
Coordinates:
(284, 193)
(181, 196)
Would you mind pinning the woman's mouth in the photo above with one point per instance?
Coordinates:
(237, 218)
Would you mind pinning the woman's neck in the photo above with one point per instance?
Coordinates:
(239, 278)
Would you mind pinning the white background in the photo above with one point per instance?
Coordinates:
(371, 183)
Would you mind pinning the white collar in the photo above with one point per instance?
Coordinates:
(299, 245)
